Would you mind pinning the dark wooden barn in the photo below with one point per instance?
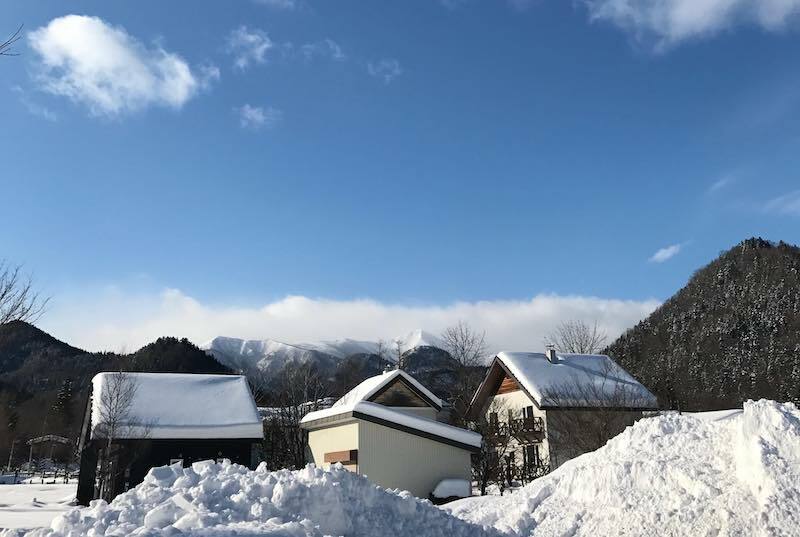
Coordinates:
(137, 421)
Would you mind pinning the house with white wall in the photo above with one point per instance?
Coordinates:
(546, 408)
(386, 429)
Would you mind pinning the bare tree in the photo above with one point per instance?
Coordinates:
(590, 408)
(115, 420)
(489, 464)
(577, 337)
(18, 299)
(260, 383)
(398, 353)
(467, 347)
(6, 46)
(299, 390)
(381, 349)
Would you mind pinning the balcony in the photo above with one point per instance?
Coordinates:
(528, 429)
(496, 430)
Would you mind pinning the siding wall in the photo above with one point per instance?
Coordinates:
(395, 459)
(338, 438)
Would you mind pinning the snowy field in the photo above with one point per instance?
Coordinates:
(723, 474)
(31, 506)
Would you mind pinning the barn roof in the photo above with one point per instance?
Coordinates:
(178, 406)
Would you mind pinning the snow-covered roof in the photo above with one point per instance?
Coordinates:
(576, 380)
(371, 386)
(177, 405)
(409, 421)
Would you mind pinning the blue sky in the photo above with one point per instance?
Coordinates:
(416, 155)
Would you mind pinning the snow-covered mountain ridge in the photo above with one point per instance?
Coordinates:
(270, 355)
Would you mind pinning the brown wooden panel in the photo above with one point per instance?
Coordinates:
(349, 456)
(508, 385)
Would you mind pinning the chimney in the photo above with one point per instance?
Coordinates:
(551, 353)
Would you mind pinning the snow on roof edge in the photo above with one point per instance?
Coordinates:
(370, 386)
(411, 421)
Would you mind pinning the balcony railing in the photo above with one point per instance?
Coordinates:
(497, 429)
(527, 428)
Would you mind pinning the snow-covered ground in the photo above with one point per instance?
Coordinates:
(31, 506)
(723, 474)
(211, 499)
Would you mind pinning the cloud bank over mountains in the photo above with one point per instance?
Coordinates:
(115, 319)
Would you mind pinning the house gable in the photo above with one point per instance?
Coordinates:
(498, 381)
(401, 393)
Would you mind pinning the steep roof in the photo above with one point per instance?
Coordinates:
(178, 405)
(373, 385)
(570, 381)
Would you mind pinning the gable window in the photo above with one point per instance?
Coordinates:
(527, 412)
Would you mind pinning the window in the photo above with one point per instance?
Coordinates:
(532, 456)
(527, 412)
(493, 419)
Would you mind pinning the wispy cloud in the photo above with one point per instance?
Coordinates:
(257, 117)
(386, 69)
(326, 48)
(667, 23)
(663, 254)
(112, 318)
(106, 69)
(32, 107)
(248, 46)
(786, 205)
(720, 183)
(279, 4)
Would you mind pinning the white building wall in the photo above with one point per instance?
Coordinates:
(330, 439)
(516, 401)
(396, 459)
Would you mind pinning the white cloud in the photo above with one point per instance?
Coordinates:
(387, 69)
(111, 319)
(786, 205)
(256, 117)
(279, 4)
(108, 70)
(248, 46)
(665, 253)
(327, 48)
(669, 22)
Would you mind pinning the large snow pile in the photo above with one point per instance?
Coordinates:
(733, 474)
(211, 499)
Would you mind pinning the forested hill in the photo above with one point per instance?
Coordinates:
(733, 333)
(44, 382)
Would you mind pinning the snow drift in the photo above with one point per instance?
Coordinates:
(211, 499)
(720, 474)
(723, 474)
